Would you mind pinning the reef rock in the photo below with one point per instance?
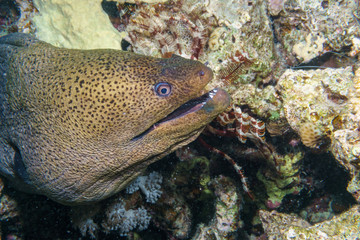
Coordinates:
(227, 218)
(324, 104)
(309, 28)
(281, 226)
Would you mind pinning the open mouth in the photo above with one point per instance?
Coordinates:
(190, 106)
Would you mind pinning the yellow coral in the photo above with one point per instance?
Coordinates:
(310, 135)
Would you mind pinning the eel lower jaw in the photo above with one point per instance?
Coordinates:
(191, 106)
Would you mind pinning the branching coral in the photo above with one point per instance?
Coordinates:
(122, 220)
(149, 185)
(88, 226)
(121, 214)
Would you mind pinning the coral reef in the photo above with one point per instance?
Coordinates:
(8, 206)
(289, 226)
(82, 219)
(128, 212)
(254, 48)
(24, 216)
(143, 1)
(275, 7)
(306, 29)
(316, 96)
(318, 210)
(263, 102)
(246, 52)
(209, 31)
(328, 101)
(227, 212)
(173, 213)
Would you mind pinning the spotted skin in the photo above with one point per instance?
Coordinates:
(72, 120)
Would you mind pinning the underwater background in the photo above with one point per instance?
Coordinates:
(281, 163)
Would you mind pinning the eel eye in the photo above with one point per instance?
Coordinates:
(163, 89)
(201, 73)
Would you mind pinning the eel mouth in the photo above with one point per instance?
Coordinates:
(190, 106)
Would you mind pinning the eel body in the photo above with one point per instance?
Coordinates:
(79, 125)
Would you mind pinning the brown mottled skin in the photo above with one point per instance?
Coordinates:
(69, 117)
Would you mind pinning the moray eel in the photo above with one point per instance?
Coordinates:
(79, 125)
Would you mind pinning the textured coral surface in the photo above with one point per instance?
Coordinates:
(285, 226)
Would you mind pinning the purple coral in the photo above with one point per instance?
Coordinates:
(149, 185)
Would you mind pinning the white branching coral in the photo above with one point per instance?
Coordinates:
(88, 226)
(119, 217)
(122, 220)
(82, 218)
(149, 185)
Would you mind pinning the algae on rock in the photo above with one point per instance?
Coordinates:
(285, 181)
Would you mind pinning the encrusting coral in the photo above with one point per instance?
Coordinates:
(70, 24)
(284, 181)
(289, 226)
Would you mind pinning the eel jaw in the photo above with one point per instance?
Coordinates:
(191, 106)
